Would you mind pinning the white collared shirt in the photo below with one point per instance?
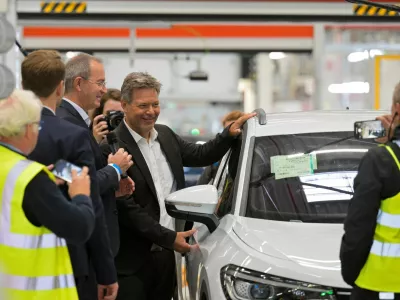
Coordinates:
(160, 171)
(80, 110)
(86, 118)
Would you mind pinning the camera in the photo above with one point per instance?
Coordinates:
(113, 118)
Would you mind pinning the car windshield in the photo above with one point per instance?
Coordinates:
(319, 196)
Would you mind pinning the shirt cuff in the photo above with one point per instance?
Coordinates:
(117, 169)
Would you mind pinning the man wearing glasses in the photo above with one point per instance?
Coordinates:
(84, 86)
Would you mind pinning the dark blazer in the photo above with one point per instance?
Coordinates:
(139, 215)
(59, 139)
(107, 176)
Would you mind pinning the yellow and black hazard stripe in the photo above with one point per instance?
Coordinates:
(366, 10)
(63, 7)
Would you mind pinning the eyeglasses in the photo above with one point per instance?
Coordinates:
(99, 83)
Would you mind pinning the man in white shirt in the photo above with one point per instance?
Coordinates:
(146, 263)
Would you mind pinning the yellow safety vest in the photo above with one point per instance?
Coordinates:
(34, 262)
(381, 272)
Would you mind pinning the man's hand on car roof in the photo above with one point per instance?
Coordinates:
(236, 127)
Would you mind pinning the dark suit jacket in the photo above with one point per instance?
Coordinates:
(59, 139)
(107, 176)
(139, 215)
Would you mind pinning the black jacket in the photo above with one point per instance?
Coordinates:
(107, 176)
(59, 139)
(377, 179)
(140, 214)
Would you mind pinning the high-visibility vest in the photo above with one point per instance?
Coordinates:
(34, 262)
(381, 272)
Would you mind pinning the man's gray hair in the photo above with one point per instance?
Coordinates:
(78, 66)
(18, 110)
(138, 80)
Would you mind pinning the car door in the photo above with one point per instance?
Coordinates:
(194, 260)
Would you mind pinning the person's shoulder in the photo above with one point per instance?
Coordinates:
(66, 129)
(379, 154)
(163, 129)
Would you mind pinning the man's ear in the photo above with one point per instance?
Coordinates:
(60, 89)
(124, 105)
(77, 84)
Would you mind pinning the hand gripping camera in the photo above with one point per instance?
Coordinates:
(113, 119)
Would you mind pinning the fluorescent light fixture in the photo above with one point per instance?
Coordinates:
(71, 54)
(355, 87)
(277, 55)
(363, 55)
(200, 142)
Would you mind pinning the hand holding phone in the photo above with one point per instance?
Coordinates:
(372, 129)
(80, 184)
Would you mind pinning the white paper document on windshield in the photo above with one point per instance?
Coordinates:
(287, 166)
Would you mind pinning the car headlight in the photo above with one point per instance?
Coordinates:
(242, 284)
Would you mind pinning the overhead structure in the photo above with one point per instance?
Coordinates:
(192, 11)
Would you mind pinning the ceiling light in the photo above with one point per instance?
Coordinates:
(277, 55)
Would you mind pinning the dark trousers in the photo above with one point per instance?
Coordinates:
(362, 294)
(155, 280)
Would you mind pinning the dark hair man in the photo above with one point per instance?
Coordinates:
(43, 72)
(146, 262)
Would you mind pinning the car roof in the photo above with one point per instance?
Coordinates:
(314, 121)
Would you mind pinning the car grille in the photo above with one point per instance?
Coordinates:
(343, 294)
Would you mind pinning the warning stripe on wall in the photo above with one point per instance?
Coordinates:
(63, 7)
(366, 10)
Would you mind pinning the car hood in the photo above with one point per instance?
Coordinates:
(313, 248)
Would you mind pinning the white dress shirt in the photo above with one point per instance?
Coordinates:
(160, 171)
(86, 118)
(81, 111)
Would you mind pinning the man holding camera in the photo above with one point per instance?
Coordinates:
(371, 244)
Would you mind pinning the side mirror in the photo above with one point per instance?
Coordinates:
(196, 204)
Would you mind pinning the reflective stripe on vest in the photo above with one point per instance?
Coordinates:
(37, 283)
(48, 274)
(388, 220)
(381, 272)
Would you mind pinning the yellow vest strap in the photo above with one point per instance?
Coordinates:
(392, 154)
(11, 239)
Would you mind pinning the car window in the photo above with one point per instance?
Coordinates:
(319, 197)
(227, 183)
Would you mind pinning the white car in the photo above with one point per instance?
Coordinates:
(280, 196)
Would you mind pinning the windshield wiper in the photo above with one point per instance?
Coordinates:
(329, 144)
(327, 188)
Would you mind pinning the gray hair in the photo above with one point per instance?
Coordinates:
(18, 110)
(78, 66)
(138, 80)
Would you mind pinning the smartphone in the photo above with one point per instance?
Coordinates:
(372, 129)
(63, 170)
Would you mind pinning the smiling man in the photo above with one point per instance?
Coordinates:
(146, 263)
(84, 86)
